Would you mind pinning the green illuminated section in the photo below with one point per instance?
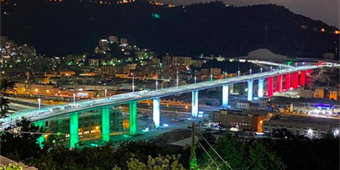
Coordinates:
(74, 138)
(289, 62)
(133, 118)
(41, 139)
(156, 16)
(106, 124)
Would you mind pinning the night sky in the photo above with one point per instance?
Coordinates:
(324, 10)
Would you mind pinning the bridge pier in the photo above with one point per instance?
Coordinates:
(133, 118)
(106, 123)
(74, 138)
(279, 83)
(302, 78)
(287, 82)
(156, 112)
(194, 104)
(250, 90)
(260, 89)
(295, 80)
(225, 95)
(270, 86)
(41, 139)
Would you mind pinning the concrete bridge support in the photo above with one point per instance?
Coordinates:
(250, 90)
(194, 104)
(260, 89)
(287, 82)
(270, 86)
(302, 78)
(225, 95)
(133, 118)
(279, 83)
(156, 111)
(74, 138)
(295, 80)
(106, 123)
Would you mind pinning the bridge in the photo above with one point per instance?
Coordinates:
(104, 104)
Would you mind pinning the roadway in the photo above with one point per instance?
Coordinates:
(49, 112)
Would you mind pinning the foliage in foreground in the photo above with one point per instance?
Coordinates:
(157, 163)
(244, 155)
(11, 167)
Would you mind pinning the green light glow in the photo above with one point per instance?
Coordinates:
(133, 118)
(74, 138)
(106, 124)
(41, 139)
(156, 16)
(289, 62)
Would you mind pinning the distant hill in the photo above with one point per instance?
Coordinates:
(211, 28)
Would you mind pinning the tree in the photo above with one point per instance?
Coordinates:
(11, 167)
(5, 87)
(243, 155)
(157, 163)
(20, 142)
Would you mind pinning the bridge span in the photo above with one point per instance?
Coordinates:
(73, 110)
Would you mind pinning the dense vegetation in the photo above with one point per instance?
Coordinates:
(212, 28)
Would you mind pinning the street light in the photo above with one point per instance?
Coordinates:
(250, 71)
(261, 69)
(39, 101)
(238, 73)
(156, 85)
(195, 79)
(74, 99)
(271, 68)
(177, 80)
(105, 93)
(211, 76)
(133, 83)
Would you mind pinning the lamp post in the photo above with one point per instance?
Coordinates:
(261, 69)
(250, 71)
(39, 101)
(195, 79)
(105, 93)
(133, 83)
(177, 80)
(74, 99)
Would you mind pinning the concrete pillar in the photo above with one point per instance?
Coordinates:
(74, 138)
(260, 89)
(279, 83)
(156, 112)
(106, 123)
(302, 78)
(133, 118)
(270, 86)
(41, 139)
(225, 95)
(194, 104)
(295, 79)
(250, 90)
(287, 82)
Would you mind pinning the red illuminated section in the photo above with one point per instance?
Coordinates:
(309, 71)
(295, 80)
(270, 87)
(279, 83)
(287, 86)
(302, 78)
